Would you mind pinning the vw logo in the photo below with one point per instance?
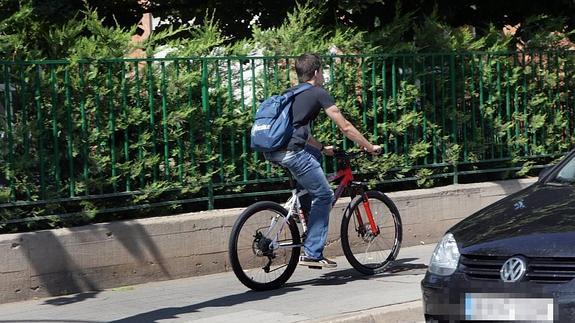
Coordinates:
(513, 270)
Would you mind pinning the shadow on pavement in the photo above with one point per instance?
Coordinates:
(65, 300)
(173, 312)
(400, 267)
(403, 267)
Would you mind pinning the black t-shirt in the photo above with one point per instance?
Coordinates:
(305, 109)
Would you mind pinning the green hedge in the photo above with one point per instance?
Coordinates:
(78, 135)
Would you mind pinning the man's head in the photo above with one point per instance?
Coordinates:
(308, 67)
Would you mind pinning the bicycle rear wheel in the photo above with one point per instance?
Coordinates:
(257, 262)
(366, 251)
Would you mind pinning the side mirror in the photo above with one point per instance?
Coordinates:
(544, 172)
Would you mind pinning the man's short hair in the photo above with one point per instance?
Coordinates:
(306, 65)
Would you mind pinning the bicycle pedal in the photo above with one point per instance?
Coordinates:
(315, 267)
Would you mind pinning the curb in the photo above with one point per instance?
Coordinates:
(411, 311)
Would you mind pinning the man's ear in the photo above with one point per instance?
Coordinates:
(317, 74)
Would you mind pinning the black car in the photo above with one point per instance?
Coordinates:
(511, 261)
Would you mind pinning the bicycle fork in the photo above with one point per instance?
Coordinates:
(367, 207)
(372, 224)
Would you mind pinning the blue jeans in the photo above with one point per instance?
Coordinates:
(306, 169)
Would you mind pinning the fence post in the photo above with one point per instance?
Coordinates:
(8, 106)
(205, 110)
(454, 120)
(69, 130)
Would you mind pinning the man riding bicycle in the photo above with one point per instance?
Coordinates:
(303, 152)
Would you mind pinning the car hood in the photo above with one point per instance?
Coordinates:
(538, 221)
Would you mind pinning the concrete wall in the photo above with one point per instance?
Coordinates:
(107, 255)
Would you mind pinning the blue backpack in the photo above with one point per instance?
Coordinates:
(273, 128)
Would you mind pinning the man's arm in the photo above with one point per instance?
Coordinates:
(349, 130)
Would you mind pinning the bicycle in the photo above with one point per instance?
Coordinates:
(266, 237)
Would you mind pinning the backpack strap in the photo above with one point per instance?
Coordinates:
(304, 87)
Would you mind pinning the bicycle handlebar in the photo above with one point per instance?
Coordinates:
(342, 154)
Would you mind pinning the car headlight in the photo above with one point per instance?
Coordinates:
(445, 257)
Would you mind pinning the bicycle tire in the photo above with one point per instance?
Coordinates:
(352, 245)
(241, 231)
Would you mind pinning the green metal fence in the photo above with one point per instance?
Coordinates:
(131, 129)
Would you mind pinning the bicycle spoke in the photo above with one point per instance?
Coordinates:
(278, 268)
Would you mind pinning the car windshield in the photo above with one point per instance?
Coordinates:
(567, 173)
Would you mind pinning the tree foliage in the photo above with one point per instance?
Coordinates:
(394, 26)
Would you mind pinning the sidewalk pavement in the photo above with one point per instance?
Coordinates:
(336, 295)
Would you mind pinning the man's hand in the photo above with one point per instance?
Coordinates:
(374, 149)
(327, 150)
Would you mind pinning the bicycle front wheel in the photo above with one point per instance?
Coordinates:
(263, 247)
(367, 251)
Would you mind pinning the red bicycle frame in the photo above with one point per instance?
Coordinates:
(344, 176)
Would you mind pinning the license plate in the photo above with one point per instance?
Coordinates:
(507, 307)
